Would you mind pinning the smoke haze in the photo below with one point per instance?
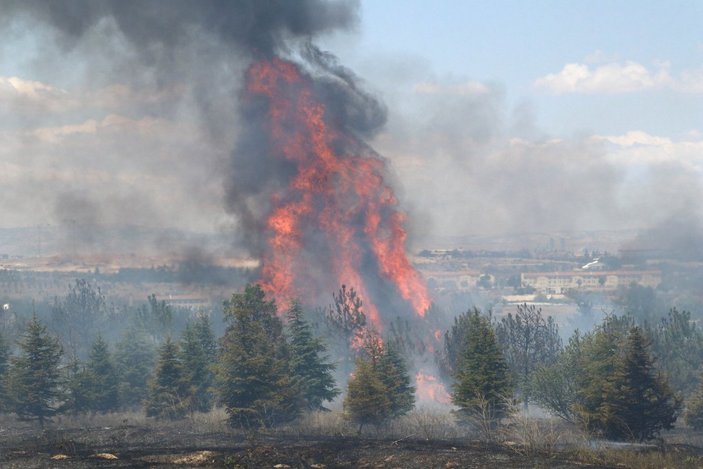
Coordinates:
(134, 120)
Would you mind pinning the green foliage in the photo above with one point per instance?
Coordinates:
(156, 318)
(528, 342)
(310, 371)
(134, 360)
(678, 345)
(166, 395)
(367, 400)
(694, 408)
(103, 378)
(198, 350)
(253, 375)
(34, 378)
(78, 316)
(554, 386)
(454, 344)
(482, 387)
(4, 358)
(78, 388)
(393, 372)
(621, 396)
(647, 404)
(380, 378)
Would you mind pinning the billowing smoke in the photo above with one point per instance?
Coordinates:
(168, 74)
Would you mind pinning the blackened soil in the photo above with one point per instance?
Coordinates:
(139, 447)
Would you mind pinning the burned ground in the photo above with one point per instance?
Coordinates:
(165, 446)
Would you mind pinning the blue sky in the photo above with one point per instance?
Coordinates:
(514, 43)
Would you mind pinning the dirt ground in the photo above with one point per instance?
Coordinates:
(143, 447)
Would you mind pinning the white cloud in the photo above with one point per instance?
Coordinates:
(468, 88)
(613, 78)
(639, 148)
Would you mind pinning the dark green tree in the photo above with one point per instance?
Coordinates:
(4, 359)
(482, 387)
(167, 392)
(34, 381)
(134, 359)
(694, 408)
(646, 405)
(621, 395)
(77, 388)
(393, 372)
(197, 353)
(253, 374)
(528, 341)
(309, 369)
(454, 344)
(367, 402)
(601, 356)
(103, 378)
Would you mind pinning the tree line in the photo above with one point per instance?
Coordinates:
(622, 380)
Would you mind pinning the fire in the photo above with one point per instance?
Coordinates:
(337, 222)
(429, 389)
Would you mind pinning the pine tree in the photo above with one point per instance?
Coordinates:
(482, 385)
(309, 369)
(367, 399)
(394, 375)
(253, 375)
(78, 388)
(646, 404)
(694, 408)
(166, 395)
(103, 379)
(34, 377)
(620, 394)
(134, 360)
(4, 358)
(197, 354)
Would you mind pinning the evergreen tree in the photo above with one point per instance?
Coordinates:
(103, 379)
(482, 385)
(646, 403)
(367, 399)
(197, 354)
(253, 375)
(621, 396)
(309, 370)
(601, 356)
(78, 388)
(134, 360)
(455, 344)
(393, 372)
(694, 408)
(166, 395)
(34, 381)
(4, 358)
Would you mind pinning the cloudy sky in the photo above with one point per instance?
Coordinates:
(503, 117)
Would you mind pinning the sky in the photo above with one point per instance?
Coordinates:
(502, 117)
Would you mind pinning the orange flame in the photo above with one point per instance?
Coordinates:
(429, 389)
(337, 213)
